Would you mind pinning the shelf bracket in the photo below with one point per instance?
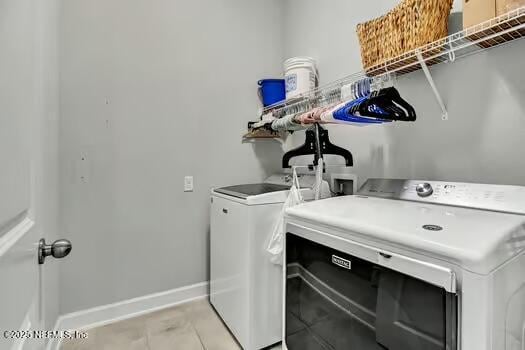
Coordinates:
(425, 69)
(451, 52)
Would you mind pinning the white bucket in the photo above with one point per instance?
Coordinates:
(300, 74)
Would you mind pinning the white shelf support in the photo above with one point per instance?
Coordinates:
(425, 69)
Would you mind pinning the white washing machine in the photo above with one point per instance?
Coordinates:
(245, 287)
(407, 265)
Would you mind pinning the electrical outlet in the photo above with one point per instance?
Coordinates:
(188, 184)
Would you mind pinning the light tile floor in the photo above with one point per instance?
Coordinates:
(191, 326)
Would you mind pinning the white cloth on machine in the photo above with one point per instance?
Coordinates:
(275, 246)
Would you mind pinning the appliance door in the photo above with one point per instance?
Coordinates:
(229, 265)
(337, 301)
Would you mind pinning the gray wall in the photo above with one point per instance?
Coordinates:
(152, 91)
(481, 142)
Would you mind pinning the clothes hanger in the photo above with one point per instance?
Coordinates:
(359, 91)
(345, 114)
(396, 98)
(386, 103)
(383, 104)
(317, 143)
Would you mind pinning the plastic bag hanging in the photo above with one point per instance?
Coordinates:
(318, 179)
(276, 244)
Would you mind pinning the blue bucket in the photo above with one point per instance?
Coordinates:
(272, 91)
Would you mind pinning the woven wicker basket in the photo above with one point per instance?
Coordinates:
(411, 24)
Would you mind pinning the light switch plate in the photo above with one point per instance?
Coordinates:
(188, 184)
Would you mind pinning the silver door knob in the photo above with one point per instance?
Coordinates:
(58, 249)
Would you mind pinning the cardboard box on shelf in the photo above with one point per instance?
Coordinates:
(478, 11)
(504, 6)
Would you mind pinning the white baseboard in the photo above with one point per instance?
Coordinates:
(102, 315)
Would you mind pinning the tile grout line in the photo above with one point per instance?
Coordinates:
(193, 323)
(190, 319)
(148, 347)
(198, 336)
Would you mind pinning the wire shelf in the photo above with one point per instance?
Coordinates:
(492, 33)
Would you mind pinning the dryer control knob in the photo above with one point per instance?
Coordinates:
(424, 189)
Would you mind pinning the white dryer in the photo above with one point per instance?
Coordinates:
(245, 287)
(407, 265)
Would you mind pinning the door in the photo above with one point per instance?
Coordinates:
(20, 279)
(27, 206)
(229, 265)
(335, 300)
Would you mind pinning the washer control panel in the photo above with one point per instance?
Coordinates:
(502, 198)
